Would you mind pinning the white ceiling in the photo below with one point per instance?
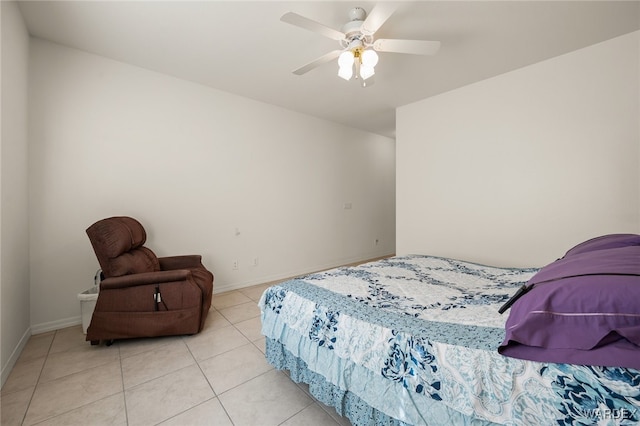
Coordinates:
(243, 48)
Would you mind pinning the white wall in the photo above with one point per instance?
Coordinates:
(516, 169)
(14, 227)
(194, 165)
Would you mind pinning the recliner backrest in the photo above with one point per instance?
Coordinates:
(118, 244)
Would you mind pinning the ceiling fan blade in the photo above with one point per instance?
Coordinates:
(309, 24)
(378, 16)
(321, 60)
(414, 47)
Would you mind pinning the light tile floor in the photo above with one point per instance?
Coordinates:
(217, 377)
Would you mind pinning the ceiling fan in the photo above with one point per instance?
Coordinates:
(358, 45)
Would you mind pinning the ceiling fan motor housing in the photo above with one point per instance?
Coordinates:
(353, 29)
(357, 14)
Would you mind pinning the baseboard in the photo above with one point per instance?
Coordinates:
(55, 325)
(221, 288)
(11, 362)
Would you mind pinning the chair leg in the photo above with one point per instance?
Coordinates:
(106, 342)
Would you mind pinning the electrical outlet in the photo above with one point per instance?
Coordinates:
(236, 265)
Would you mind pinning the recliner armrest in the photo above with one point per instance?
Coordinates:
(145, 278)
(169, 263)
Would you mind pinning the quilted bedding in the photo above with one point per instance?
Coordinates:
(413, 340)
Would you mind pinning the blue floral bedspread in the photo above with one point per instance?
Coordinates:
(415, 338)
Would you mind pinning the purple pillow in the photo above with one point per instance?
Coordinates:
(605, 242)
(581, 309)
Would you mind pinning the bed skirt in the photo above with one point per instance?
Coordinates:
(346, 403)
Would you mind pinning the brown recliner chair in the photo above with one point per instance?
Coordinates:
(142, 295)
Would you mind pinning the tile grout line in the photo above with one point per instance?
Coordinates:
(124, 395)
(250, 342)
(295, 414)
(35, 387)
(215, 395)
(240, 384)
(77, 372)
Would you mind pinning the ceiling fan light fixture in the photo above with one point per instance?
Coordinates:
(358, 45)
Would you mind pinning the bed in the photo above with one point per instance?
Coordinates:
(414, 340)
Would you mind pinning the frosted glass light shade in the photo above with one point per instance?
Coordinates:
(345, 59)
(345, 72)
(369, 58)
(366, 71)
